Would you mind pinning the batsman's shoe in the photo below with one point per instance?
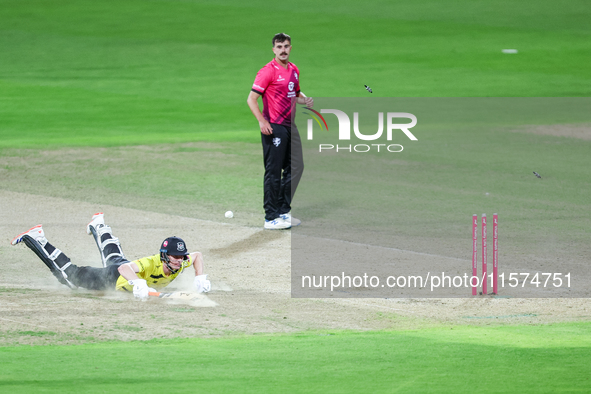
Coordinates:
(276, 224)
(36, 233)
(97, 218)
(291, 220)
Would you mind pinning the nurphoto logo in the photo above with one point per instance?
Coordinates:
(345, 130)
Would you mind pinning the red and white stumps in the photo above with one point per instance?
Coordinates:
(495, 253)
(484, 257)
(474, 254)
(482, 280)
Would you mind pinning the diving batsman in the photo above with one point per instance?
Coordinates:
(141, 276)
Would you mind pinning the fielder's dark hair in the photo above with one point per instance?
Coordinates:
(281, 37)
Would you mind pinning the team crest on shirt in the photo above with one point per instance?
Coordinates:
(276, 141)
(290, 86)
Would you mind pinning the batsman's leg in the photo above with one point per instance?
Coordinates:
(108, 245)
(54, 259)
(62, 268)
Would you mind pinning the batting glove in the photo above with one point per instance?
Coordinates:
(140, 288)
(202, 284)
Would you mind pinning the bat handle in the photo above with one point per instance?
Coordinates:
(154, 293)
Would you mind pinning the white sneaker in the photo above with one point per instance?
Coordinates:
(291, 220)
(97, 218)
(276, 224)
(36, 233)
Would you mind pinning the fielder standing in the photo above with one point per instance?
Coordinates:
(278, 82)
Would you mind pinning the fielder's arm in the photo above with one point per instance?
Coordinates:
(253, 104)
(305, 100)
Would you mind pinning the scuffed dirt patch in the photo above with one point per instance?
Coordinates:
(249, 269)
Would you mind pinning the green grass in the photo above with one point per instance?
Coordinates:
(144, 72)
(83, 83)
(202, 178)
(527, 359)
(115, 75)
